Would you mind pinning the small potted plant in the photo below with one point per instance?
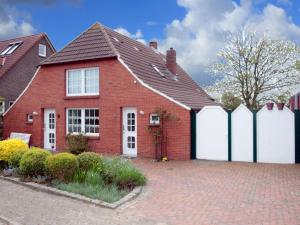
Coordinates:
(270, 105)
(281, 99)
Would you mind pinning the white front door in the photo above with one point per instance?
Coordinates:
(129, 132)
(49, 129)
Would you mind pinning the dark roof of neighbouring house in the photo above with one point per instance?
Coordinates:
(100, 42)
(27, 42)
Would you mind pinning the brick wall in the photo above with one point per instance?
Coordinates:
(117, 89)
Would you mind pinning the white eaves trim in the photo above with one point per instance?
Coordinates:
(149, 87)
(23, 90)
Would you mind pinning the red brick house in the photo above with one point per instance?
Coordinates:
(19, 58)
(106, 85)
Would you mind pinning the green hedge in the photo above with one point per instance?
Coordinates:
(61, 166)
(15, 158)
(33, 162)
(89, 161)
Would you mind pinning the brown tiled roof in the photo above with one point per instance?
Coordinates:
(102, 42)
(12, 59)
(91, 44)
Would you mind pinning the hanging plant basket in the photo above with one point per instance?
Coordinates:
(270, 105)
(280, 105)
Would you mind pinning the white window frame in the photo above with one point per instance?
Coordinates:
(11, 48)
(10, 103)
(82, 122)
(42, 50)
(157, 70)
(29, 118)
(154, 122)
(2, 109)
(82, 72)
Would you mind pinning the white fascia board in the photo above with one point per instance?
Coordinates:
(151, 88)
(36, 72)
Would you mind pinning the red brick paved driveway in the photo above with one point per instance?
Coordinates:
(203, 192)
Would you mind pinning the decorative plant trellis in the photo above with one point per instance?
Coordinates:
(159, 133)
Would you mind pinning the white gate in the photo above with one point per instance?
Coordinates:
(275, 136)
(242, 134)
(212, 133)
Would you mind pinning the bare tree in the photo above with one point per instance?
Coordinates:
(256, 68)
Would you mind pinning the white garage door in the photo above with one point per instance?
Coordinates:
(212, 133)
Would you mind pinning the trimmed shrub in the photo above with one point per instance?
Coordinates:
(76, 144)
(33, 162)
(62, 166)
(90, 161)
(15, 158)
(122, 173)
(8, 147)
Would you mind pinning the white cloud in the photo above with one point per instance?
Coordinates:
(151, 23)
(137, 36)
(13, 23)
(201, 33)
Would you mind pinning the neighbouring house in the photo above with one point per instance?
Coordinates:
(294, 102)
(19, 58)
(107, 86)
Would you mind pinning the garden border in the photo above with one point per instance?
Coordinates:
(51, 190)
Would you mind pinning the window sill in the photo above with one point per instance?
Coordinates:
(90, 137)
(81, 97)
(29, 123)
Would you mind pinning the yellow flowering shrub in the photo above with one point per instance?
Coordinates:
(8, 147)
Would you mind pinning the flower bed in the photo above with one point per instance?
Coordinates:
(88, 174)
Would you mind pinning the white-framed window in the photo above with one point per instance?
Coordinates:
(84, 121)
(11, 48)
(83, 82)
(2, 107)
(157, 70)
(154, 119)
(29, 118)
(42, 50)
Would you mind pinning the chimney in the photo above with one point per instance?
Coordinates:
(153, 44)
(2, 61)
(171, 60)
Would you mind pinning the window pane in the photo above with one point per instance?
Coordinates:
(92, 81)
(74, 120)
(74, 82)
(91, 121)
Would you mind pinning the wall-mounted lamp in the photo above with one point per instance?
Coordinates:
(134, 81)
(142, 112)
(35, 114)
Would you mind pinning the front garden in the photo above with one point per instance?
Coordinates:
(88, 173)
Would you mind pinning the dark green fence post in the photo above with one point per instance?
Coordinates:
(229, 135)
(254, 136)
(297, 136)
(193, 134)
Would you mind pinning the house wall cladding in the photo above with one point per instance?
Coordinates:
(118, 89)
(265, 136)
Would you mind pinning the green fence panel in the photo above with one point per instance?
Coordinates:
(254, 137)
(193, 134)
(297, 136)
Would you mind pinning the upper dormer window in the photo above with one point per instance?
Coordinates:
(11, 48)
(157, 70)
(42, 50)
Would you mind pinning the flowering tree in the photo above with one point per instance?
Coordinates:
(256, 68)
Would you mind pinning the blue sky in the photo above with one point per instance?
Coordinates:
(195, 28)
